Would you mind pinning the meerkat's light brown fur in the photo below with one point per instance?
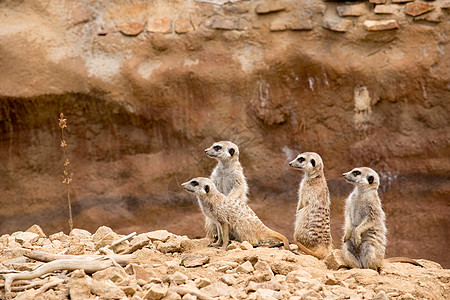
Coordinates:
(312, 224)
(228, 177)
(230, 214)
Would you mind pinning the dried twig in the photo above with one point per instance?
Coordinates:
(89, 265)
(48, 257)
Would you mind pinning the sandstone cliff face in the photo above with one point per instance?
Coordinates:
(147, 85)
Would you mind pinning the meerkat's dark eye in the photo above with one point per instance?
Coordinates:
(301, 159)
(356, 173)
(370, 179)
(231, 151)
(217, 148)
(207, 189)
(313, 162)
(194, 183)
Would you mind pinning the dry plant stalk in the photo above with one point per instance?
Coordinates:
(66, 178)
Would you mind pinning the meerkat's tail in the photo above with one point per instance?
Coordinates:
(279, 236)
(403, 260)
(307, 251)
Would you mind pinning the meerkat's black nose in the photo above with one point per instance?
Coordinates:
(290, 164)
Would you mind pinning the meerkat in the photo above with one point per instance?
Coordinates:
(365, 230)
(230, 214)
(228, 177)
(312, 224)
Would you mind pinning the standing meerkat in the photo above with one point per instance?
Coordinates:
(365, 230)
(230, 214)
(312, 222)
(228, 177)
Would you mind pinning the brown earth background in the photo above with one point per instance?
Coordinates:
(146, 86)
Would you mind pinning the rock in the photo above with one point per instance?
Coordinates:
(106, 289)
(233, 245)
(202, 282)
(401, 1)
(78, 285)
(407, 296)
(291, 277)
(381, 296)
(191, 261)
(179, 278)
(386, 9)
(246, 245)
(229, 279)
(115, 274)
(106, 240)
(217, 289)
(264, 267)
(172, 263)
(224, 23)
(266, 294)
(76, 249)
(37, 230)
(171, 296)
(189, 297)
(183, 25)
(245, 268)
(128, 290)
(100, 233)
(26, 237)
(331, 280)
(270, 7)
(310, 294)
(139, 272)
(160, 25)
(418, 8)
(132, 28)
(138, 242)
(156, 292)
(436, 16)
(379, 25)
(59, 236)
(334, 260)
(159, 235)
(79, 233)
(378, 1)
(353, 10)
(337, 24)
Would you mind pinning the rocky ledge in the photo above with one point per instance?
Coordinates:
(162, 265)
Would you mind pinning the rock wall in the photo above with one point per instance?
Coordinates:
(147, 85)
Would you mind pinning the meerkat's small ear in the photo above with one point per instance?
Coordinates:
(207, 189)
(231, 151)
(313, 162)
(370, 179)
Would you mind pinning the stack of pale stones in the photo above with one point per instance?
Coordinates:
(162, 265)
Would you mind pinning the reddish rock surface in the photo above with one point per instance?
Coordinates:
(141, 110)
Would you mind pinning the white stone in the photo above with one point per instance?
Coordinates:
(246, 267)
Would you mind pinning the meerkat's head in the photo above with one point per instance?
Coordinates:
(309, 162)
(199, 186)
(363, 177)
(223, 151)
